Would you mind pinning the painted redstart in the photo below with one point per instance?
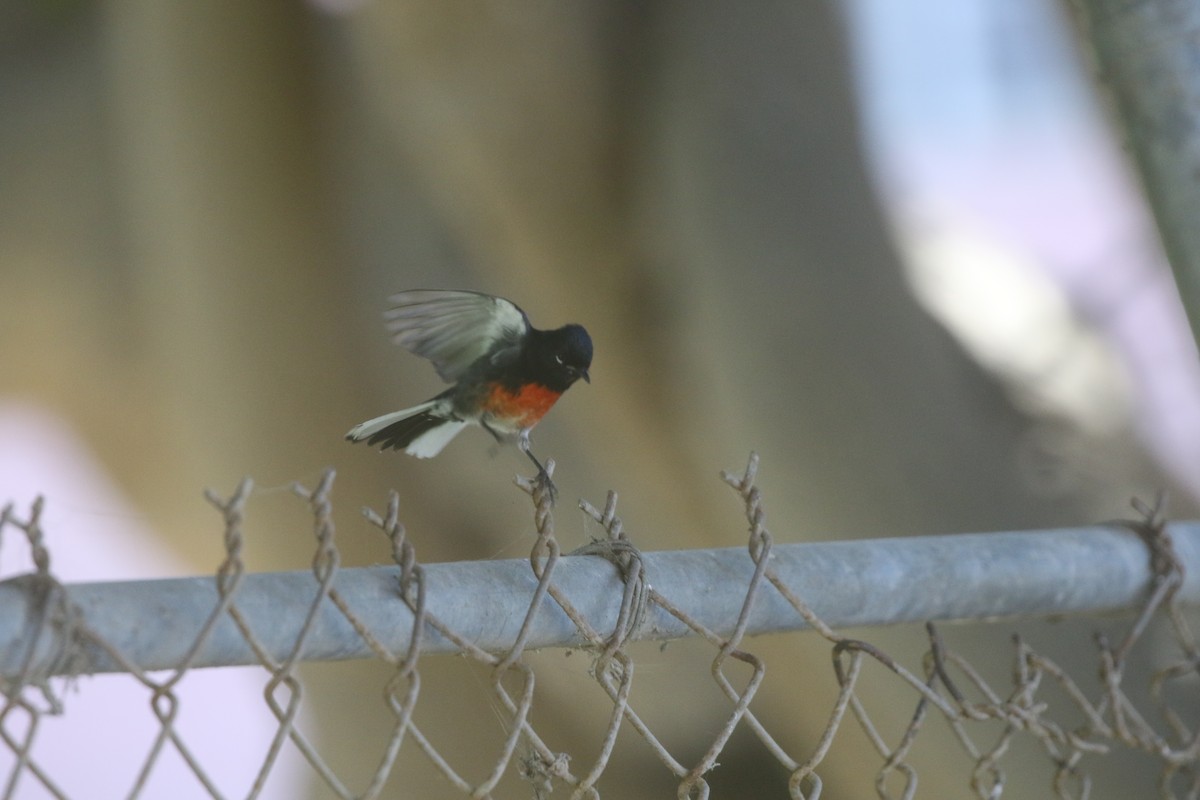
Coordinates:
(506, 373)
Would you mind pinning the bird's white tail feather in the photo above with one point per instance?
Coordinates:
(364, 430)
(430, 443)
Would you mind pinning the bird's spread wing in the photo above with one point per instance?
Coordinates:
(453, 329)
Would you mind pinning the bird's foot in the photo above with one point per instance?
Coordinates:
(541, 486)
(543, 483)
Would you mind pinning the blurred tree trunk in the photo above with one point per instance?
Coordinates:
(235, 280)
(228, 245)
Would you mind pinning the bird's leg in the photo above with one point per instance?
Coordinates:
(483, 421)
(543, 476)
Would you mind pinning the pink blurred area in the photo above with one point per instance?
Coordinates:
(980, 122)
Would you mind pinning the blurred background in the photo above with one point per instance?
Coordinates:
(894, 248)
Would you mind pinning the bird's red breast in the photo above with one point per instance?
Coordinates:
(521, 408)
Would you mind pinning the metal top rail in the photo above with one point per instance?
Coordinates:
(849, 583)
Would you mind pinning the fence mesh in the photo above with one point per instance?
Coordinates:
(1086, 720)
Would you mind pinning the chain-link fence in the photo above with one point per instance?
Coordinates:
(604, 598)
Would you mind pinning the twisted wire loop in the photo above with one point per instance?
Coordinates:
(57, 640)
(52, 621)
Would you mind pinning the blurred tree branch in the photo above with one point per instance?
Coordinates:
(1147, 54)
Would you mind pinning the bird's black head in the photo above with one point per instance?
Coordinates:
(566, 355)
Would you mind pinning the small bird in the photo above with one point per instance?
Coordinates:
(506, 373)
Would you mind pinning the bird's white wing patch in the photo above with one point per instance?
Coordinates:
(451, 328)
(430, 443)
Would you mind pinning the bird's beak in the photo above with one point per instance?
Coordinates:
(583, 373)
